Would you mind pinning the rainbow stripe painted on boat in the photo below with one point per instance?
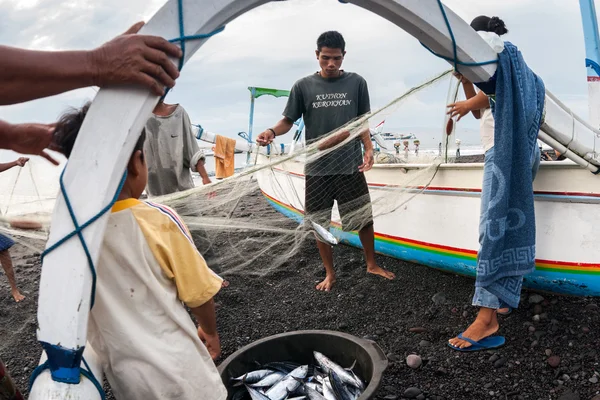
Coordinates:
(553, 276)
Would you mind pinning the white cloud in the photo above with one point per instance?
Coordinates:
(273, 46)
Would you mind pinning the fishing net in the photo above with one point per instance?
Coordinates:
(254, 222)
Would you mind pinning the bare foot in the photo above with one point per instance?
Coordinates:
(327, 284)
(504, 311)
(225, 283)
(486, 324)
(377, 270)
(17, 295)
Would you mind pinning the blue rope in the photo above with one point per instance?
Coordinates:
(36, 372)
(183, 38)
(85, 372)
(78, 231)
(455, 59)
(79, 228)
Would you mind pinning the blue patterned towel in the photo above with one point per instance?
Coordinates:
(507, 251)
(6, 242)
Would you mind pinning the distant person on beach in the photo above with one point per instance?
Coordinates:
(478, 104)
(28, 74)
(338, 175)
(172, 150)
(6, 242)
(148, 266)
(172, 153)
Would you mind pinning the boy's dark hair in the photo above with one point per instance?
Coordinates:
(487, 24)
(331, 39)
(69, 124)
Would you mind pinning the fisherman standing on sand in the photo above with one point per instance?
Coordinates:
(338, 175)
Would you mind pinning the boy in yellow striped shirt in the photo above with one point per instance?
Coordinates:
(147, 268)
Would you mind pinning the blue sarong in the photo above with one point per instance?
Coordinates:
(507, 251)
(6, 242)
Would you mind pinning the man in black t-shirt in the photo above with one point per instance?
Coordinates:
(328, 100)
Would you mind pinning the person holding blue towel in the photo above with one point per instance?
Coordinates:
(507, 222)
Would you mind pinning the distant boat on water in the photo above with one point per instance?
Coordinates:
(395, 137)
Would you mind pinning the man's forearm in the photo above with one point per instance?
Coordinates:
(366, 138)
(201, 169)
(5, 166)
(27, 74)
(282, 126)
(469, 89)
(206, 317)
(5, 133)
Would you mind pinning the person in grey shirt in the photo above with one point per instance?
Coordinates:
(171, 151)
(328, 100)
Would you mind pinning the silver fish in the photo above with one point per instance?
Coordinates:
(328, 365)
(323, 234)
(341, 391)
(328, 390)
(312, 393)
(255, 394)
(269, 380)
(314, 386)
(361, 385)
(296, 398)
(254, 376)
(288, 384)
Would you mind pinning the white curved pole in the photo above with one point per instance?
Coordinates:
(114, 123)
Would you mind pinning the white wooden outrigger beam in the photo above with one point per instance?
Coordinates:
(113, 125)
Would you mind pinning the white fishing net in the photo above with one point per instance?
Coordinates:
(251, 223)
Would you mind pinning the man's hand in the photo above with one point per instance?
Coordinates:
(32, 139)
(21, 161)
(461, 78)
(206, 181)
(139, 59)
(265, 138)
(212, 343)
(368, 161)
(460, 108)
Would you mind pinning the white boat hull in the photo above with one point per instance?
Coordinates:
(438, 225)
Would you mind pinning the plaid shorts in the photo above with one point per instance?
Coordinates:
(351, 193)
(6, 242)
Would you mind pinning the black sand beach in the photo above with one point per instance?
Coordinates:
(553, 342)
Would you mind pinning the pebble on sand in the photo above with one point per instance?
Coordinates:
(568, 395)
(535, 299)
(414, 361)
(412, 392)
(553, 361)
(500, 363)
(439, 299)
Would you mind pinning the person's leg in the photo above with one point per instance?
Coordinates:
(367, 239)
(7, 265)
(354, 204)
(486, 323)
(318, 203)
(8, 390)
(326, 253)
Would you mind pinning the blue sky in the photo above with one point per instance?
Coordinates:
(273, 46)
